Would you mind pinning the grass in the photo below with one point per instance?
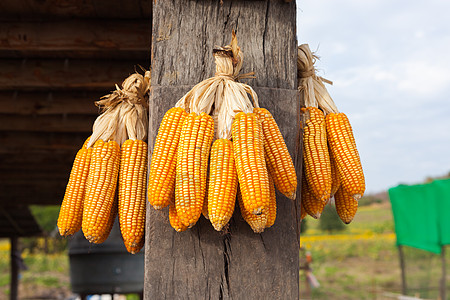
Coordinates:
(362, 262)
(46, 274)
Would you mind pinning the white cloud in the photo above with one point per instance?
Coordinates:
(390, 64)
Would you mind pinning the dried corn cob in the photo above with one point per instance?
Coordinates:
(346, 205)
(312, 205)
(101, 188)
(71, 212)
(205, 202)
(251, 167)
(256, 222)
(192, 165)
(317, 166)
(174, 220)
(161, 183)
(222, 184)
(335, 181)
(132, 182)
(110, 222)
(303, 212)
(279, 161)
(272, 213)
(343, 147)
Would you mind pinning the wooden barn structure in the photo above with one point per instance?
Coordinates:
(58, 56)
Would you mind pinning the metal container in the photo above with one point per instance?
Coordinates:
(106, 268)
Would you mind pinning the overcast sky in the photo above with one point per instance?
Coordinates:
(390, 65)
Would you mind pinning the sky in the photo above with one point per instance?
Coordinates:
(390, 66)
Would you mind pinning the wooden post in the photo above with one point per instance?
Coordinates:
(443, 286)
(402, 267)
(13, 295)
(201, 263)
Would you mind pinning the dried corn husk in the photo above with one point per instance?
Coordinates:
(224, 92)
(124, 111)
(312, 88)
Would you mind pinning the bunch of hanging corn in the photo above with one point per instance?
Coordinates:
(331, 162)
(248, 150)
(113, 158)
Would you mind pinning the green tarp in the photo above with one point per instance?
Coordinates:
(422, 214)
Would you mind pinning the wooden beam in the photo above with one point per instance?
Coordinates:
(59, 74)
(14, 284)
(45, 191)
(33, 159)
(51, 123)
(51, 9)
(49, 103)
(201, 263)
(129, 39)
(40, 142)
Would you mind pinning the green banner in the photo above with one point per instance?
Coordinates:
(422, 214)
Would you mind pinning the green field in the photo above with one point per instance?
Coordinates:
(47, 275)
(360, 262)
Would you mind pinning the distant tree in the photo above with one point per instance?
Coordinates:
(46, 216)
(329, 220)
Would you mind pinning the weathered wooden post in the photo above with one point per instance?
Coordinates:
(201, 263)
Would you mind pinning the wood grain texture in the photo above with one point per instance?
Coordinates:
(54, 9)
(76, 38)
(201, 263)
(49, 103)
(64, 74)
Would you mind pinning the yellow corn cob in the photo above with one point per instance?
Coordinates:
(192, 166)
(222, 184)
(303, 212)
(335, 181)
(101, 188)
(316, 158)
(343, 147)
(161, 182)
(174, 220)
(132, 182)
(272, 214)
(279, 161)
(71, 212)
(312, 205)
(110, 222)
(256, 222)
(250, 162)
(346, 205)
(205, 202)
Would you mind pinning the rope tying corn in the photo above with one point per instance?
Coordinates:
(310, 85)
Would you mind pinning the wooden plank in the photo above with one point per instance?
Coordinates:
(402, 269)
(76, 38)
(51, 9)
(58, 74)
(28, 160)
(202, 263)
(49, 192)
(51, 123)
(49, 103)
(38, 142)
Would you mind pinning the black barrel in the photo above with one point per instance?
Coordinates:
(106, 268)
